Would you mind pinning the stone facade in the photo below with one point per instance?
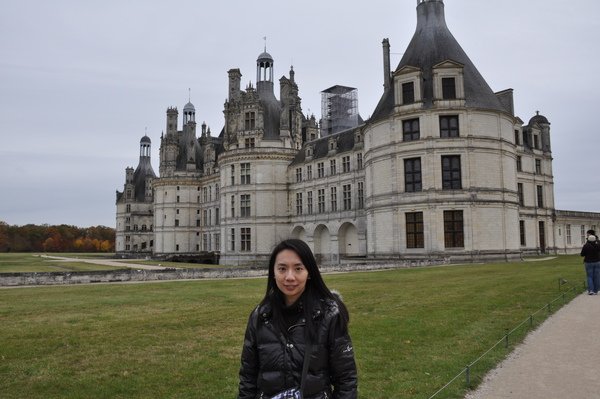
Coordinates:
(442, 170)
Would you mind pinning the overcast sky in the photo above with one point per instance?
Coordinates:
(80, 81)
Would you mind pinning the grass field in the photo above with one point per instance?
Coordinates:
(413, 330)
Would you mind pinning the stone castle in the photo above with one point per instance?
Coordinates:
(442, 169)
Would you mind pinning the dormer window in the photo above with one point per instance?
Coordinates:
(407, 82)
(308, 152)
(408, 93)
(448, 88)
(448, 84)
(358, 138)
(332, 144)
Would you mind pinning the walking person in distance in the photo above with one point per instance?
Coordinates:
(296, 343)
(591, 254)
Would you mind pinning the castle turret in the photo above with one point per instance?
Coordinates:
(189, 113)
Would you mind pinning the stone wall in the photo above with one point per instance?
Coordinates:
(136, 275)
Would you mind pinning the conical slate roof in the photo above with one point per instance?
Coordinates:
(432, 44)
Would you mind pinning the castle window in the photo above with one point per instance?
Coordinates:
(308, 172)
(408, 93)
(332, 167)
(538, 166)
(127, 238)
(451, 173)
(128, 208)
(520, 194)
(245, 239)
(519, 164)
(320, 169)
(361, 195)
(205, 218)
(233, 206)
(453, 229)
(232, 240)
(178, 198)
(309, 202)
(359, 160)
(176, 222)
(144, 227)
(321, 200)
(448, 88)
(250, 120)
(347, 196)
(217, 217)
(244, 173)
(346, 164)
(536, 142)
(128, 194)
(522, 232)
(232, 175)
(540, 196)
(583, 239)
(298, 203)
(249, 142)
(333, 199)
(205, 244)
(144, 245)
(568, 229)
(412, 175)
(414, 230)
(198, 222)
(449, 126)
(517, 138)
(298, 175)
(217, 242)
(245, 205)
(410, 130)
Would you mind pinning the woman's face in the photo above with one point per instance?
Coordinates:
(290, 275)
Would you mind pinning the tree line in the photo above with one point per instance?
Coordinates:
(61, 238)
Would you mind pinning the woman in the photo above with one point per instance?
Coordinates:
(591, 254)
(298, 314)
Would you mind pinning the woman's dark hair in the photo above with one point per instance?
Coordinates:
(314, 291)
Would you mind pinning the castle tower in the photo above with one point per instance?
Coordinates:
(134, 235)
(454, 142)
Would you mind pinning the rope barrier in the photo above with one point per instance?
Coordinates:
(468, 367)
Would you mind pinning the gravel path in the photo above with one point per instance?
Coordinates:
(106, 262)
(559, 360)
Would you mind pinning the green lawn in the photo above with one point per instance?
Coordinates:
(413, 330)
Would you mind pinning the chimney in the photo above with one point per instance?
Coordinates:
(386, 64)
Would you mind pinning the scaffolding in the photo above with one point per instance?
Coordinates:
(339, 109)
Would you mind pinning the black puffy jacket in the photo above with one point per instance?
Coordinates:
(272, 360)
(591, 252)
